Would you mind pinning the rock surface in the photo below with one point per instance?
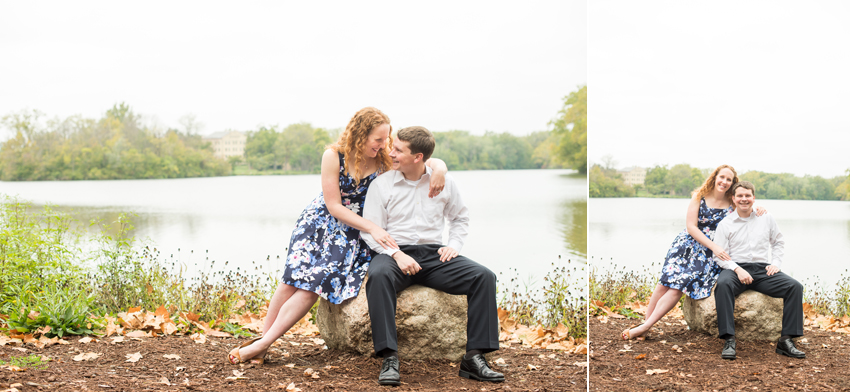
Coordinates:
(431, 324)
(757, 316)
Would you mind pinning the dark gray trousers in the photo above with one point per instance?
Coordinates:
(457, 276)
(779, 285)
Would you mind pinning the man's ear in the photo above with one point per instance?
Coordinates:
(418, 158)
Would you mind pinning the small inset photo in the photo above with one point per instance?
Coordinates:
(719, 198)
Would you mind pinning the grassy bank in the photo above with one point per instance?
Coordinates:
(617, 288)
(557, 302)
(59, 277)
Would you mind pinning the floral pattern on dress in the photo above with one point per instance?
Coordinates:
(690, 266)
(325, 255)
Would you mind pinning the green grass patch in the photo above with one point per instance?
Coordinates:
(55, 273)
(26, 362)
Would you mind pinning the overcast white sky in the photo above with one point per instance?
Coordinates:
(477, 66)
(759, 85)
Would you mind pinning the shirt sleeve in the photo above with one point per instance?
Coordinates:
(375, 210)
(721, 238)
(458, 217)
(777, 244)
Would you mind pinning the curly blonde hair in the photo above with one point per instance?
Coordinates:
(708, 186)
(352, 140)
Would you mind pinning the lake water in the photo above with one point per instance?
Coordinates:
(636, 232)
(531, 220)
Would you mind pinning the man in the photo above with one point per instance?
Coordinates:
(746, 237)
(398, 202)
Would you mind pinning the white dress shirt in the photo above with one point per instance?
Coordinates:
(747, 240)
(403, 209)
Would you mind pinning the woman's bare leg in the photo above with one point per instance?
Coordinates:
(283, 292)
(653, 299)
(295, 307)
(664, 304)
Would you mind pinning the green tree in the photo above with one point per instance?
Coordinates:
(571, 129)
(234, 160)
(656, 181)
(260, 149)
(607, 183)
(112, 147)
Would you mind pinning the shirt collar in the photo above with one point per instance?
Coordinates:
(740, 218)
(399, 176)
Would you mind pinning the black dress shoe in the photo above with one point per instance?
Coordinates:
(786, 347)
(729, 349)
(389, 372)
(476, 368)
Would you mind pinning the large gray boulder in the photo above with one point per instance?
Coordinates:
(757, 316)
(431, 324)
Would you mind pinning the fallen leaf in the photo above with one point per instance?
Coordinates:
(656, 371)
(138, 334)
(164, 380)
(199, 338)
(291, 365)
(295, 343)
(238, 373)
(135, 357)
(531, 367)
(580, 364)
(499, 361)
(308, 372)
(171, 356)
(86, 357)
(87, 339)
(641, 356)
(117, 339)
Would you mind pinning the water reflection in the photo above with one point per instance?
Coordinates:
(520, 219)
(573, 221)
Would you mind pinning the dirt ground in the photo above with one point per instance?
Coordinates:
(203, 367)
(681, 360)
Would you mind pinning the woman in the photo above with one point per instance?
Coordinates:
(689, 266)
(326, 256)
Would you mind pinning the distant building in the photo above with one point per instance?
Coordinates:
(227, 143)
(633, 175)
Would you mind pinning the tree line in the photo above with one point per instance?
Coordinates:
(120, 146)
(682, 179)
(115, 146)
(297, 148)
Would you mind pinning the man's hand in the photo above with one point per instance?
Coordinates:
(743, 276)
(772, 269)
(446, 253)
(406, 263)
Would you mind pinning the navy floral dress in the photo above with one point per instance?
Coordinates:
(327, 256)
(690, 266)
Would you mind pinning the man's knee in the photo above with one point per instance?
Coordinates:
(380, 269)
(796, 286)
(726, 281)
(486, 276)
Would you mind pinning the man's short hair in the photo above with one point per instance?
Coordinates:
(745, 185)
(419, 140)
